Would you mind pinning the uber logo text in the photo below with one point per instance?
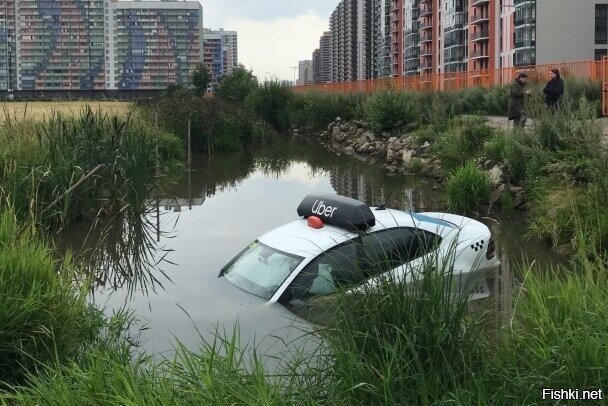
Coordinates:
(572, 394)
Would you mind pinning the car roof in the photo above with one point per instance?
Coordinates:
(298, 238)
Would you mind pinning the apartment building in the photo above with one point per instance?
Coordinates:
(417, 37)
(220, 54)
(98, 45)
(305, 76)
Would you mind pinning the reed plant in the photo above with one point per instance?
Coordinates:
(67, 168)
(45, 317)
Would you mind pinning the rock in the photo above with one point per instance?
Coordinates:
(336, 132)
(392, 139)
(296, 131)
(519, 199)
(390, 155)
(349, 150)
(331, 126)
(495, 196)
(344, 127)
(392, 169)
(338, 119)
(489, 164)
(371, 137)
(407, 157)
(423, 149)
(415, 146)
(360, 131)
(497, 175)
(364, 148)
(323, 134)
(386, 134)
(359, 123)
(514, 190)
(362, 141)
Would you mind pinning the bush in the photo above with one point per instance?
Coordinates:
(468, 188)
(237, 86)
(463, 140)
(44, 317)
(270, 102)
(316, 110)
(388, 110)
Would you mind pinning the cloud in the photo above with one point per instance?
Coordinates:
(274, 46)
(220, 11)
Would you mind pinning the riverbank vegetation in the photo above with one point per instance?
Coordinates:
(383, 347)
(67, 168)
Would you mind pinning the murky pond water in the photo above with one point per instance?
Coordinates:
(164, 265)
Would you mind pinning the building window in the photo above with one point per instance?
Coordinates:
(599, 53)
(601, 23)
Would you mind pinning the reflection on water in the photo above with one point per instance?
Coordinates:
(164, 265)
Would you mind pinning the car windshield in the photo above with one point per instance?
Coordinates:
(260, 269)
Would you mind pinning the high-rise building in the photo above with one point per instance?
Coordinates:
(305, 76)
(98, 45)
(377, 38)
(220, 54)
(381, 38)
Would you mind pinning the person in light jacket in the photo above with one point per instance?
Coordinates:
(517, 98)
(554, 89)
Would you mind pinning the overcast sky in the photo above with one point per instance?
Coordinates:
(273, 35)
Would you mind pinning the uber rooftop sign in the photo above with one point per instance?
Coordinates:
(339, 211)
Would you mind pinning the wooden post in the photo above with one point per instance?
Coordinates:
(189, 144)
(156, 151)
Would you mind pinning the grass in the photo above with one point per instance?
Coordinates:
(66, 168)
(44, 316)
(468, 188)
(40, 111)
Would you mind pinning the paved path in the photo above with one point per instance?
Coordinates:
(503, 122)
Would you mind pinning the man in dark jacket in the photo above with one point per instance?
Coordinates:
(554, 89)
(517, 97)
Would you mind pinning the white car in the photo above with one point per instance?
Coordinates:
(341, 242)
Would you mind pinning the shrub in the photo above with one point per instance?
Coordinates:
(463, 140)
(389, 110)
(316, 110)
(237, 86)
(270, 102)
(468, 188)
(44, 316)
(416, 165)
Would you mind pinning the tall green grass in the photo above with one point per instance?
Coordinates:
(468, 188)
(44, 316)
(41, 165)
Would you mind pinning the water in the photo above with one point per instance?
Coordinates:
(164, 266)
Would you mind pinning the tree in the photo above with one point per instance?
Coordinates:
(238, 85)
(201, 78)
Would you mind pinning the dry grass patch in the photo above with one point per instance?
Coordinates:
(40, 110)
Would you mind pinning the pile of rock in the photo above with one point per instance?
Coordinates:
(501, 183)
(394, 153)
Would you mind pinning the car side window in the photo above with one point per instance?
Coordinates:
(331, 270)
(389, 249)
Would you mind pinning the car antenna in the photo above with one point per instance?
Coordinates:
(381, 206)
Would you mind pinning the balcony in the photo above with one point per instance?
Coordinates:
(479, 54)
(426, 38)
(481, 35)
(426, 65)
(525, 44)
(426, 53)
(478, 3)
(426, 25)
(479, 18)
(425, 2)
(523, 20)
(426, 11)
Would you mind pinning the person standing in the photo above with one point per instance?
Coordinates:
(517, 97)
(554, 89)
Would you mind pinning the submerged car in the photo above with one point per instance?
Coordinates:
(342, 243)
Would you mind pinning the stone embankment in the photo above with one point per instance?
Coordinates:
(401, 154)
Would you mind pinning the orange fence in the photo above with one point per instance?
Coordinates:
(592, 70)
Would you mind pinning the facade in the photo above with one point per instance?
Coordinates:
(98, 45)
(305, 76)
(380, 38)
(220, 54)
(418, 37)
